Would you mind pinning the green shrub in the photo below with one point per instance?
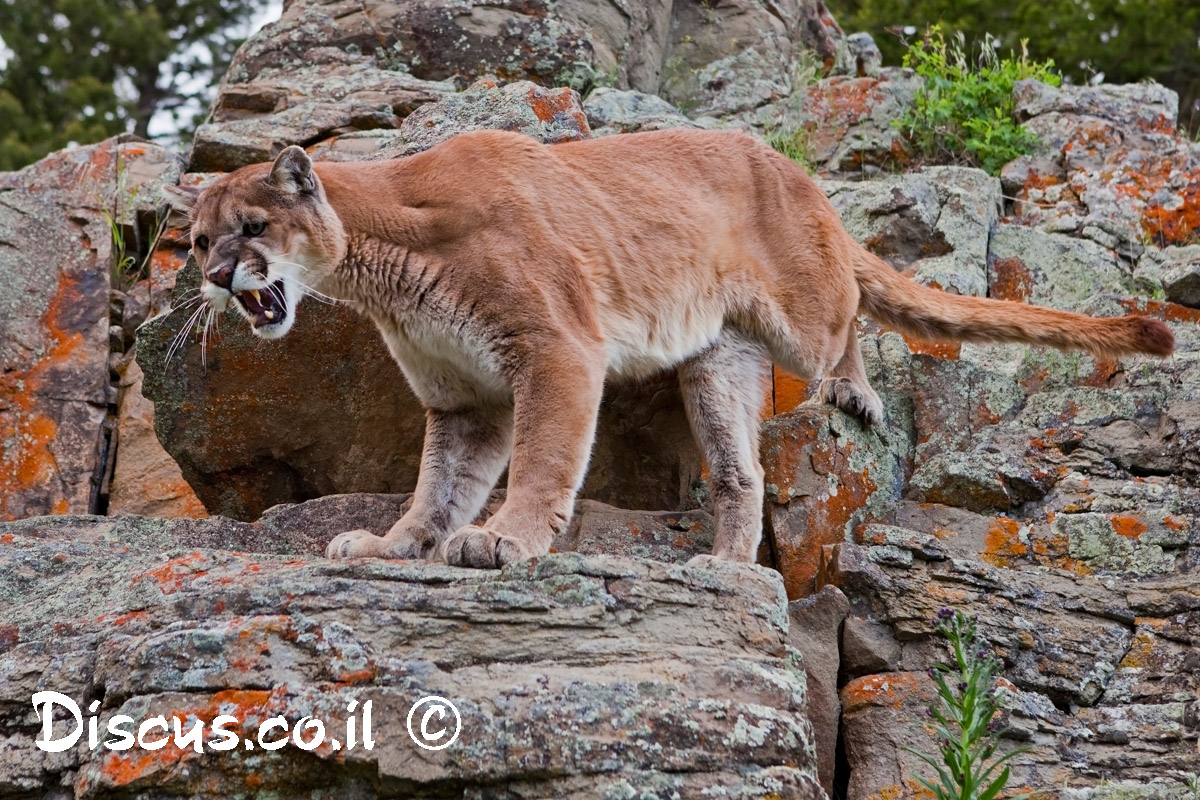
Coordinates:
(964, 110)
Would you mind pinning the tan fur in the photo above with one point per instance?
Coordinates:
(510, 280)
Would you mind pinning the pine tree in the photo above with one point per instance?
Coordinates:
(82, 70)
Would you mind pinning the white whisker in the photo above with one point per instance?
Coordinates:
(308, 291)
(204, 338)
(301, 285)
(180, 339)
(184, 303)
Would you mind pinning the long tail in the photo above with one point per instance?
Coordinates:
(911, 308)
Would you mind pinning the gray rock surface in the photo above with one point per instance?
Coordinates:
(936, 222)
(816, 623)
(574, 676)
(612, 111)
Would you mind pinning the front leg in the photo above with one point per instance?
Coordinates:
(464, 453)
(557, 399)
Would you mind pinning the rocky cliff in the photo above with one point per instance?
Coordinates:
(1052, 495)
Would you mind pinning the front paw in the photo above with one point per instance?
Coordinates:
(473, 546)
(363, 544)
(354, 544)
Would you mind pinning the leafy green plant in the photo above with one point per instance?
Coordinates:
(964, 109)
(963, 717)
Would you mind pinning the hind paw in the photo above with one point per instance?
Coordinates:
(857, 401)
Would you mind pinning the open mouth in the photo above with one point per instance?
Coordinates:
(265, 306)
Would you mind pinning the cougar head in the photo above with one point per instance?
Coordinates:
(263, 236)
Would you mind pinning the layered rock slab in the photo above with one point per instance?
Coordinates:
(574, 676)
(1100, 684)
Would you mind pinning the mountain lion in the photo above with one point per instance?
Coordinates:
(511, 279)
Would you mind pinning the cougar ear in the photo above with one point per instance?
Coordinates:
(292, 172)
(181, 198)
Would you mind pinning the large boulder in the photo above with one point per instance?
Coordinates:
(62, 222)
(334, 70)
(573, 676)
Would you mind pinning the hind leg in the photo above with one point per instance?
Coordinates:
(847, 388)
(723, 393)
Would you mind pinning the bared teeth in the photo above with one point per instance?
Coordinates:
(269, 314)
(254, 294)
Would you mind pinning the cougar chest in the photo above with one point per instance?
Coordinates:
(447, 366)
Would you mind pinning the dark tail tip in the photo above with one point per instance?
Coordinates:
(1152, 336)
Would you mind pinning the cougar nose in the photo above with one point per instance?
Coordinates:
(222, 277)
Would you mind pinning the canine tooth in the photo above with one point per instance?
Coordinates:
(257, 299)
(269, 314)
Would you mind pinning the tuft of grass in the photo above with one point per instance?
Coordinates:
(964, 109)
(793, 143)
(789, 137)
(124, 263)
(963, 716)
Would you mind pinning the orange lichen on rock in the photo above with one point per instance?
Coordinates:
(1010, 279)
(1129, 527)
(1142, 649)
(27, 430)
(124, 768)
(828, 513)
(789, 391)
(1170, 312)
(550, 103)
(887, 689)
(890, 792)
(930, 347)
(1003, 544)
(173, 575)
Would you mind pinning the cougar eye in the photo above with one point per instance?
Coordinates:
(201, 242)
(253, 228)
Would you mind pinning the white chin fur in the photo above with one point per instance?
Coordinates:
(276, 330)
(218, 299)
